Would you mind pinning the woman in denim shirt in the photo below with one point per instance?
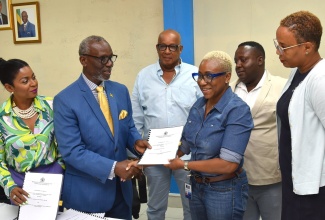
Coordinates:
(216, 133)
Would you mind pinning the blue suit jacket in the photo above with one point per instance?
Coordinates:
(88, 147)
(30, 30)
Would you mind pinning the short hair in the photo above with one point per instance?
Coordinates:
(9, 70)
(84, 45)
(221, 57)
(305, 26)
(254, 44)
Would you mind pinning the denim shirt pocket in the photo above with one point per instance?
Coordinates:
(211, 137)
(190, 130)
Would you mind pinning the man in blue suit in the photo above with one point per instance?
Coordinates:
(26, 29)
(96, 179)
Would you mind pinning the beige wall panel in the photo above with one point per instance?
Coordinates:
(131, 27)
(222, 25)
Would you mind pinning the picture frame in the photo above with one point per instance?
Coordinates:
(26, 22)
(5, 18)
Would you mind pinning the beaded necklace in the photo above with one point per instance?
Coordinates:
(24, 114)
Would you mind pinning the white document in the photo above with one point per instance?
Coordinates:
(76, 215)
(44, 190)
(164, 143)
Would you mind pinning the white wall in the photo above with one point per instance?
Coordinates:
(222, 25)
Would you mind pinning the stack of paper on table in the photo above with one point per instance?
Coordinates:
(8, 212)
(76, 215)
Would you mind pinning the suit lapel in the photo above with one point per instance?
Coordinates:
(262, 96)
(94, 106)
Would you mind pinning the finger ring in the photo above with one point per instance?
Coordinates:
(14, 197)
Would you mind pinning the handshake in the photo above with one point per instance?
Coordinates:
(129, 169)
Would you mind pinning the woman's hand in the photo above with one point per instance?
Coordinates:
(175, 164)
(19, 196)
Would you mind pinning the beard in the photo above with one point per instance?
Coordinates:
(101, 76)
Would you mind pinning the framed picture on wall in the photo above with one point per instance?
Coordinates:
(26, 22)
(5, 15)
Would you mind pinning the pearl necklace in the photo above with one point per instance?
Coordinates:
(24, 114)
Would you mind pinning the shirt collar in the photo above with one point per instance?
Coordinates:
(242, 85)
(90, 84)
(6, 107)
(222, 103)
(177, 68)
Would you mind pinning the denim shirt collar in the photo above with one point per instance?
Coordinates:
(219, 106)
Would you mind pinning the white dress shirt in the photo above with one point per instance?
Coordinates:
(251, 96)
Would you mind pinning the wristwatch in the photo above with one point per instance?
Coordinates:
(186, 166)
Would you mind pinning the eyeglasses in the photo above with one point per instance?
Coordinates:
(207, 77)
(172, 47)
(103, 59)
(281, 49)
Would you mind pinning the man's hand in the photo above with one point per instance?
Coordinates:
(18, 196)
(141, 145)
(134, 163)
(126, 170)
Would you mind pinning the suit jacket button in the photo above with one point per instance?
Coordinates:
(116, 149)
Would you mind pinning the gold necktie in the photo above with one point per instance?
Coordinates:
(104, 106)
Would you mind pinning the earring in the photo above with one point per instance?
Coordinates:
(307, 52)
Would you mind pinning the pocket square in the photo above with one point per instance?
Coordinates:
(123, 114)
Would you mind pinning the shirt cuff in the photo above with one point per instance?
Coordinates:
(137, 153)
(112, 174)
(8, 190)
(184, 147)
(230, 156)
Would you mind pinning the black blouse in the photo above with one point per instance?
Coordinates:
(285, 156)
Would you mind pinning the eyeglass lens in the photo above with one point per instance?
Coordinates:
(277, 46)
(199, 77)
(207, 77)
(163, 47)
(104, 60)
